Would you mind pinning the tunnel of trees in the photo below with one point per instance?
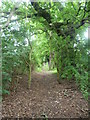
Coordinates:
(37, 33)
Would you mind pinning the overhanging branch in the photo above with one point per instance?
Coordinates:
(41, 12)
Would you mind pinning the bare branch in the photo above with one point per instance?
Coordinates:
(10, 16)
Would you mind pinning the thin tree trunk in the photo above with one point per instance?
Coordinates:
(29, 80)
(50, 61)
(50, 56)
(59, 66)
(58, 73)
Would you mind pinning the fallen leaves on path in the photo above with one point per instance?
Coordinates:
(45, 97)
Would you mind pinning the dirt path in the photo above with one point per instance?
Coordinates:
(47, 97)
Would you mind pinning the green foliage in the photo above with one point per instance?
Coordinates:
(60, 36)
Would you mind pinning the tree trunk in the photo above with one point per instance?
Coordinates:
(29, 80)
(59, 68)
(50, 61)
(50, 56)
(58, 74)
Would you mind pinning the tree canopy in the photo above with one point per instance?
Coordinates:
(36, 32)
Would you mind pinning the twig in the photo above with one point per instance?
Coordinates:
(81, 109)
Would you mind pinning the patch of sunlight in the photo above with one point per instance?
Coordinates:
(38, 69)
(54, 71)
(86, 34)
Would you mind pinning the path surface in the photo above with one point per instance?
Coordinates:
(47, 97)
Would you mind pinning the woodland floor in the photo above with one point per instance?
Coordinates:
(45, 96)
